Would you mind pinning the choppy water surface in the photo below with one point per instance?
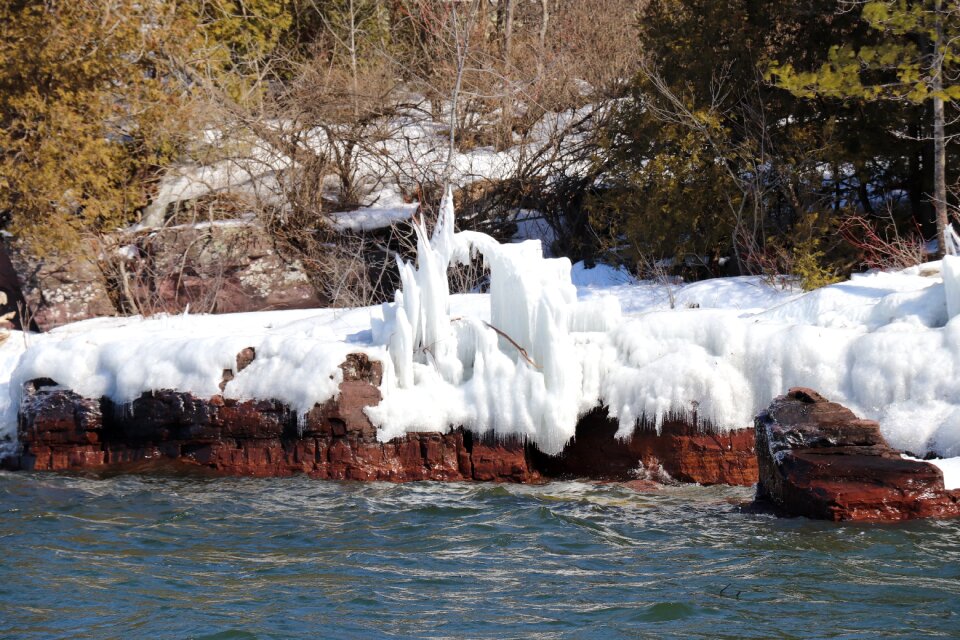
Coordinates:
(142, 557)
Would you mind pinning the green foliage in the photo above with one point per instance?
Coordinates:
(707, 157)
(71, 94)
(809, 263)
(899, 67)
(358, 26)
(674, 204)
(95, 97)
(240, 35)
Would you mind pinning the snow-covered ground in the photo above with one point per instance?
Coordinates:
(412, 149)
(551, 341)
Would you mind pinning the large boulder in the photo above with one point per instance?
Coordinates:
(817, 459)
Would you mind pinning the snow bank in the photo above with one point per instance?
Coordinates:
(600, 275)
(550, 342)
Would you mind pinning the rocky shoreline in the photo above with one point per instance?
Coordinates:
(808, 456)
(61, 431)
(817, 459)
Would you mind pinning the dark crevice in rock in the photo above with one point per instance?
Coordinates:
(681, 451)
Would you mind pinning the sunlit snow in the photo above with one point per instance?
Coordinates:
(547, 344)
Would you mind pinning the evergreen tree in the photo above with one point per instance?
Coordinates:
(783, 170)
(918, 54)
(96, 96)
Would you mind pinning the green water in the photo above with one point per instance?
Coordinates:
(140, 557)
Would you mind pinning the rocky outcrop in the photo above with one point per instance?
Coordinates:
(56, 289)
(817, 459)
(679, 452)
(59, 430)
(220, 267)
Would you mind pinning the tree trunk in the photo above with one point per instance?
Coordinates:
(939, 136)
(353, 59)
(506, 105)
(940, 173)
(544, 22)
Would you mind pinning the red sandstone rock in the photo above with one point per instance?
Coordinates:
(60, 430)
(817, 459)
(219, 269)
(344, 414)
(501, 459)
(58, 289)
(680, 452)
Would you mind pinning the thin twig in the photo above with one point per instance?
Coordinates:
(503, 334)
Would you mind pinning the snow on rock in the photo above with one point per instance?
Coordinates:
(951, 472)
(298, 353)
(414, 151)
(547, 344)
(388, 209)
(10, 351)
(951, 284)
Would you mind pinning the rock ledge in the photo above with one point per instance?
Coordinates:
(171, 431)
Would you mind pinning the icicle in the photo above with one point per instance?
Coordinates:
(520, 373)
(951, 271)
(952, 241)
(443, 234)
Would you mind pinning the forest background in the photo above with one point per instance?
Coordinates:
(687, 138)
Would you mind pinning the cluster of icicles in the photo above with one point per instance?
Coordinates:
(521, 373)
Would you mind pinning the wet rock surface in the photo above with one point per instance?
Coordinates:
(817, 459)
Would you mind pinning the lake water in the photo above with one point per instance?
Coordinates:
(148, 557)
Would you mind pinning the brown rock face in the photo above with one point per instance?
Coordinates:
(817, 459)
(213, 269)
(60, 289)
(680, 452)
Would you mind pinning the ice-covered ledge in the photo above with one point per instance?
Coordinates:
(173, 431)
(168, 430)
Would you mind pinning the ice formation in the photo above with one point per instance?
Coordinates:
(541, 349)
(521, 373)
